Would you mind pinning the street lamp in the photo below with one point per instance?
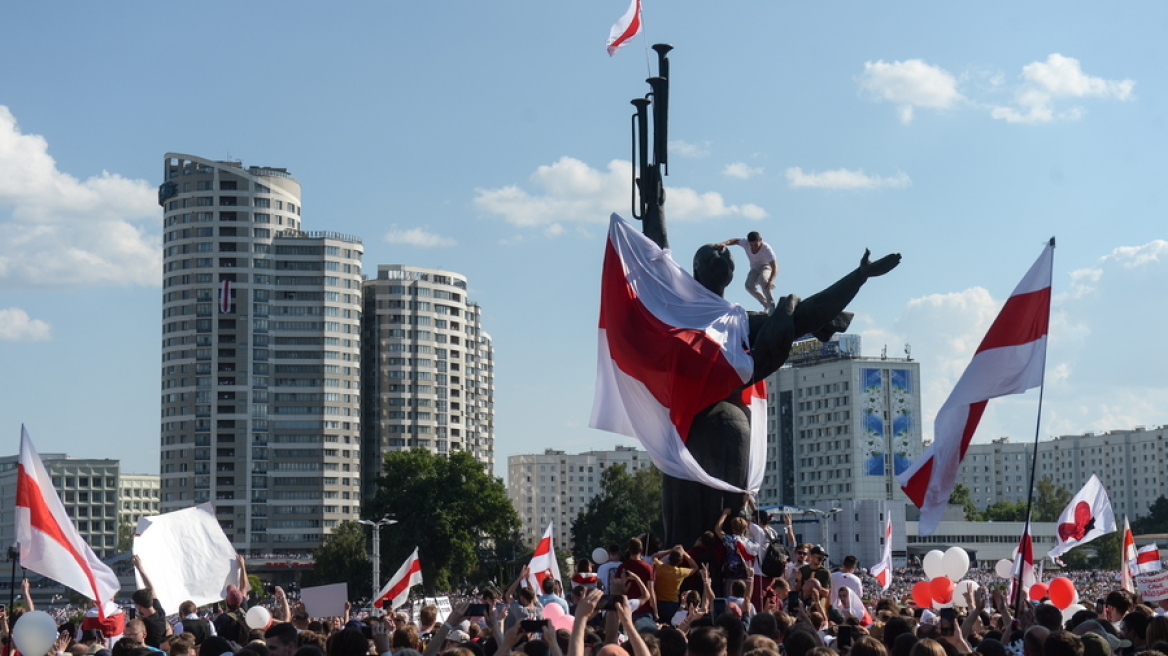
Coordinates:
(384, 521)
(825, 531)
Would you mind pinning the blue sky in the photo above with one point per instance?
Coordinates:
(491, 138)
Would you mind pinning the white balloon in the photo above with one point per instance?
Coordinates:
(955, 563)
(35, 632)
(600, 555)
(1004, 568)
(960, 589)
(258, 617)
(1070, 611)
(932, 564)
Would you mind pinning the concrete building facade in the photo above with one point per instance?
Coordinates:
(260, 357)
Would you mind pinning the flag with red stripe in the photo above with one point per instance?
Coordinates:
(543, 562)
(1128, 569)
(225, 298)
(882, 572)
(49, 543)
(668, 349)
(1023, 570)
(397, 590)
(1148, 559)
(626, 28)
(1010, 360)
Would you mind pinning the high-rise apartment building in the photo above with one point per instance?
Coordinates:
(840, 426)
(429, 368)
(260, 357)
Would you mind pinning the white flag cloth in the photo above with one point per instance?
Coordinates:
(397, 590)
(668, 349)
(1148, 559)
(543, 562)
(1127, 570)
(1010, 360)
(49, 543)
(1085, 518)
(882, 572)
(1023, 569)
(626, 28)
(187, 555)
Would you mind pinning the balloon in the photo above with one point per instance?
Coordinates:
(1061, 592)
(552, 610)
(932, 564)
(1038, 591)
(600, 555)
(960, 589)
(1004, 568)
(561, 621)
(258, 617)
(921, 594)
(1070, 611)
(955, 563)
(35, 632)
(941, 589)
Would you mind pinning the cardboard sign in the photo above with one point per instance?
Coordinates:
(1153, 587)
(325, 600)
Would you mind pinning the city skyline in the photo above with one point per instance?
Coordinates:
(498, 148)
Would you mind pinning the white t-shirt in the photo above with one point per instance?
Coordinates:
(763, 257)
(845, 579)
(762, 538)
(604, 574)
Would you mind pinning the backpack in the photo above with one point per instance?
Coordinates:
(774, 560)
(232, 626)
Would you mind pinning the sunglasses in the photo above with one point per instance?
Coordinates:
(800, 553)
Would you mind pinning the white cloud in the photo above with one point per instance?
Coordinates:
(741, 170)
(418, 237)
(844, 179)
(17, 326)
(690, 150)
(58, 231)
(1059, 77)
(570, 191)
(910, 84)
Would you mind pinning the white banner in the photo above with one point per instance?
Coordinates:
(1153, 588)
(187, 556)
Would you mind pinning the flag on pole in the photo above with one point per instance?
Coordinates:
(1010, 360)
(397, 590)
(49, 543)
(882, 572)
(1023, 571)
(626, 28)
(1085, 518)
(1128, 568)
(225, 298)
(1148, 559)
(543, 562)
(668, 349)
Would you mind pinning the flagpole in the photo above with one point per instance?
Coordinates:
(1033, 467)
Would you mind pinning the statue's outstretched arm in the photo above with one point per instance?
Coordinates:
(821, 309)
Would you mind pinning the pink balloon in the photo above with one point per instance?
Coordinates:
(562, 621)
(552, 611)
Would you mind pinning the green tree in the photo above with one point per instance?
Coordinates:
(627, 505)
(1104, 552)
(960, 497)
(125, 536)
(1156, 521)
(450, 508)
(1005, 511)
(1050, 501)
(342, 557)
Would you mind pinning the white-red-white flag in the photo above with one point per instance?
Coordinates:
(49, 543)
(225, 297)
(626, 28)
(397, 590)
(882, 572)
(1023, 571)
(1010, 360)
(668, 349)
(1148, 559)
(1085, 518)
(543, 562)
(1127, 570)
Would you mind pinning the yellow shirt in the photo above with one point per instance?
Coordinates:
(668, 581)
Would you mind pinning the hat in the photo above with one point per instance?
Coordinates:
(1094, 627)
(458, 635)
(818, 551)
(1095, 645)
(233, 597)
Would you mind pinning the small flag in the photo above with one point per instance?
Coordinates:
(225, 298)
(397, 590)
(1023, 571)
(543, 562)
(626, 28)
(1010, 360)
(882, 572)
(49, 543)
(1085, 518)
(1127, 570)
(1148, 559)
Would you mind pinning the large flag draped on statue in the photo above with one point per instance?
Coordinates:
(668, 349)
(543, 562)
(1010, 360)
(49, 543)
(1085, 518)
(882, 572)
(626, 28)
(397, 590)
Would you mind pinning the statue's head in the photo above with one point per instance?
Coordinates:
(713, 267)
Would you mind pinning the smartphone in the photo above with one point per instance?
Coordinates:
(719, 606)
(532, 626)
(608, 602)
(476, 610)
(793, 602)
(948, 614)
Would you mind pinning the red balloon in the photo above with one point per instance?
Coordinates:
(1061, 591)
(922, 595)
(941, 589)
(1038, 591)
